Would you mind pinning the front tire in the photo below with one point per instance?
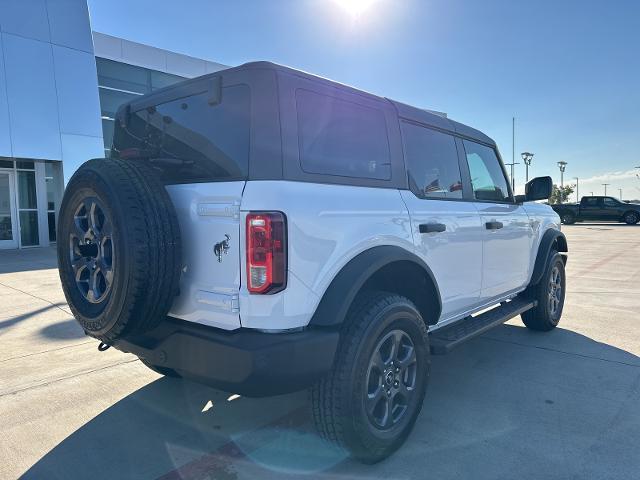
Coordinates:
(549, 294)
(369, 402)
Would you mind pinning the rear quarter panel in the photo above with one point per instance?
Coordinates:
(327, 226)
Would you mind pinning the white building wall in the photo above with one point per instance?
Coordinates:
(49, 107)
(140, 55)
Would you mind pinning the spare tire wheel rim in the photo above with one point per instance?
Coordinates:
(391, 379)
(91, 250)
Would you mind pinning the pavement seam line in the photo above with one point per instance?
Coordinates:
(45, 351)
(560, 351)
(56, 305)
(51, 382)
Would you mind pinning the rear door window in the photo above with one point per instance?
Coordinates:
(590, 202)
(432, 162)
(342, 138)
(487, 177)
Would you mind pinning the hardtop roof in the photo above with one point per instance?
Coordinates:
(405, 111)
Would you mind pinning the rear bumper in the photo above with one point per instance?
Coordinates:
(246, 362)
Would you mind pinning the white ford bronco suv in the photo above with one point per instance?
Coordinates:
(263, 230)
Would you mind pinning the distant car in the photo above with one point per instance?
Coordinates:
(600, 209)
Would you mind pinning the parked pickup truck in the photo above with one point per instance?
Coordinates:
(263, 231)
(598, 208)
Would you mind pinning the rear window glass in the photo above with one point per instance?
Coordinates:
(191, 140)
(341, 138)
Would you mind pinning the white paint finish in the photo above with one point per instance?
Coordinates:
(77, 149)
(5, 136)
(27, 18)
(69, 24)
(506, 251)
(455, 255)
(32, 98)
(208, 288)
(77, 86)
(542, 218)
(327, 225)
(291, 308)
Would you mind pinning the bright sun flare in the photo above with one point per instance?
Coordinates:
(355, 7)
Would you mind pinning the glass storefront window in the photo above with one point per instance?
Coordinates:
(29, 228)
(53, 181)
(27, 198)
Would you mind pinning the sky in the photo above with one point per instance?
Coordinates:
(567, 70)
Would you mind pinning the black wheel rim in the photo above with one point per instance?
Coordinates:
(555, 291)
(91, 250)
(391, 379)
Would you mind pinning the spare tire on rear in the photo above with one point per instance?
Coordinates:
(119, 254)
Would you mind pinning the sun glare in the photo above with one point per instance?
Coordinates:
(355, 8)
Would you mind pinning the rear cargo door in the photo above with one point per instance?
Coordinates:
(209, 216)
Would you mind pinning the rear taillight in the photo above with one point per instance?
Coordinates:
(266, 252)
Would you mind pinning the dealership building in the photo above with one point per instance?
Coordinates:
(60, 86)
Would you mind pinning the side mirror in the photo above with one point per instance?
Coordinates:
(539, 188)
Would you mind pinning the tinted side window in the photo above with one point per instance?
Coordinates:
(590, 202)
(432, 162)
(610, 202)
(337, 137)
(487, 178)
(210, 142)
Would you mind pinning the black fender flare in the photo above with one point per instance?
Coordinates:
(550, 238)
(334, 305)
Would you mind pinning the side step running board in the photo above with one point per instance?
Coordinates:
(447, 338)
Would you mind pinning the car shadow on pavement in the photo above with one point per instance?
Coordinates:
(510, 404)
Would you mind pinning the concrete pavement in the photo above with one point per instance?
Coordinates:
(510, 404)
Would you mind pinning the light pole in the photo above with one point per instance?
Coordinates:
(562, 166)
(605, 188)
(577, 189)
(526, 158)
(513, 181)
(620, 190)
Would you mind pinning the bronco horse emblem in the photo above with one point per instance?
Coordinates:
(222, 247)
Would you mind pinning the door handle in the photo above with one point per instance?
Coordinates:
(432, 227)
(493, 225)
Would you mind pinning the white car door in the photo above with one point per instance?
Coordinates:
(508, 232)
(446, 229)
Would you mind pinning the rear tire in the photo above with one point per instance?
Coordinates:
(631, 218)
(369, 402)
(549, 294)
(118, 248)
(567, 218)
